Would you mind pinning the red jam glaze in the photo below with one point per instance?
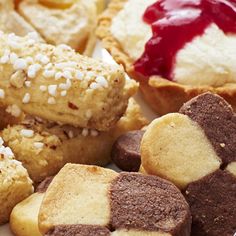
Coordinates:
(175, 23)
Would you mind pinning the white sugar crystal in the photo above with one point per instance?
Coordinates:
(33, 35)
(48, 66)
(95, 85)
(79, 75)
(28, 84)
(20, 64)
(65, 86)
(1, 141)
(49, 73)
(64, 46)
(2, 93)
(29, 60)
(43, 88)
(4, 59)
(63, 93)
(27, 133)
(13, 57)
(38, 145)
(102, 81)
(67, 74)
(58, 75)
(26, 98)
(52, 89)
(51, 101)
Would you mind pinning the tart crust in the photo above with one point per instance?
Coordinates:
(163, 96)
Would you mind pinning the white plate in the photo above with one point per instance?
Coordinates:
(100, 53)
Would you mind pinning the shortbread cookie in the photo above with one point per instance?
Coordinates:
(57, 84)
(68, 22)
(126, 151)
(195, 149)
(24, 216)
(185, 146)
(15, 184)
(44, 147)
(125, 204)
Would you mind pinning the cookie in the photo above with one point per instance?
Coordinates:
(126, 151)
(44, 147)
(24, 216)
(195, 149)
(125, 204)
(59, 85)
(212, 200)
(74, 22)
(15, 184)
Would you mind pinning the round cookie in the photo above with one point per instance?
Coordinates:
(126, 151)
(196, 150)
(125, 204)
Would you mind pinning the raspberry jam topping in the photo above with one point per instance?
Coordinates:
(175, 23)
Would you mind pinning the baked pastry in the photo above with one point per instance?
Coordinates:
(64, 22)
(125, 204)
(24, 216)
(15, 184)
(126, 151)
(170, 71)
(12, 22)
(195, 149)
(43, 80)
(44, 147)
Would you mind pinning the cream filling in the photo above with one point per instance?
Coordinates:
(210, 59)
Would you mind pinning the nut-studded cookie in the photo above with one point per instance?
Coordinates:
(196, 150)
(89, 200)
(44, 147)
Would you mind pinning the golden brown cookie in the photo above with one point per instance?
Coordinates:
(124, 204)
(15, 184)
(68, 22)
(57, 84)
(44, 147)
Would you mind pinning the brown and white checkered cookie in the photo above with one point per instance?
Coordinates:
(196, 150)
(89, 200)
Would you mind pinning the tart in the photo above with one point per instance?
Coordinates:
(199, 61)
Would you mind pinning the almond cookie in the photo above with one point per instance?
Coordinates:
(125, 204)
(195, 149)
(44, 147)
(24, 216)
(57, 84)
(15, 184)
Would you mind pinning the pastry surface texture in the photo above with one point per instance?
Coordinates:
(57, 84)
(195, 149)
(125, 204)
